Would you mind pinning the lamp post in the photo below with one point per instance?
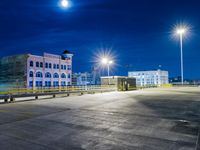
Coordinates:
(107, 62)
(181, 31)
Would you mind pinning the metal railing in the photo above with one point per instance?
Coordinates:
(49, 90)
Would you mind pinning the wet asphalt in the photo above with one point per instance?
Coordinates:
(151, 119)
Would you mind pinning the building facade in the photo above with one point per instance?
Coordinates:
(86, 78)
(80, 79)
(150, 78)
(31, 71)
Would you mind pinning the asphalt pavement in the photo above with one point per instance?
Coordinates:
(150, 119)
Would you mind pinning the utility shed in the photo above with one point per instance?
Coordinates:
(13, 71)
(121, 82)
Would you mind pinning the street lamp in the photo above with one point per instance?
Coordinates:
(181, 31)
(107, 62)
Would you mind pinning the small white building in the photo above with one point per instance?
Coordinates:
(150, 78)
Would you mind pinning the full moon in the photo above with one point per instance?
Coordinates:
(65, 3)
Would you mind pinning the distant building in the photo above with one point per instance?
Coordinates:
(96, 75)
(82, 79)
(85, 79)
(177, 81)
(30, 71)
(150, 78)
(121, 83)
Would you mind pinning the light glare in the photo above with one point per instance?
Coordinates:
(110, 62)
(104, 61)
(181, 31)
(65, 3)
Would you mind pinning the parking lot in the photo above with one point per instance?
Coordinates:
(150, 119)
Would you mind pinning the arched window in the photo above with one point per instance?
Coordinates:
(31, 63)
(39, 74)
(63, 75)
(37, 64)
(48, 75)
(55, 75)
(31, 74)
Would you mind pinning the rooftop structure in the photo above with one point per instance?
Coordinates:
(122, 83)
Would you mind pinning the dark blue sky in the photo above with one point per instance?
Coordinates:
(137, 32)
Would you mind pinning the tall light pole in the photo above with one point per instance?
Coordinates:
(106, 61)
(181, 31)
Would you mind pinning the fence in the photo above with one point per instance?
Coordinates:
(12, 93)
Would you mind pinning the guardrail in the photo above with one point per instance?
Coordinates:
(12, 93)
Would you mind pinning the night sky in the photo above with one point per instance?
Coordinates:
(137, 32)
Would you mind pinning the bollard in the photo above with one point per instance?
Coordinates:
(68, 94)
(36, 97)
(54, 95)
